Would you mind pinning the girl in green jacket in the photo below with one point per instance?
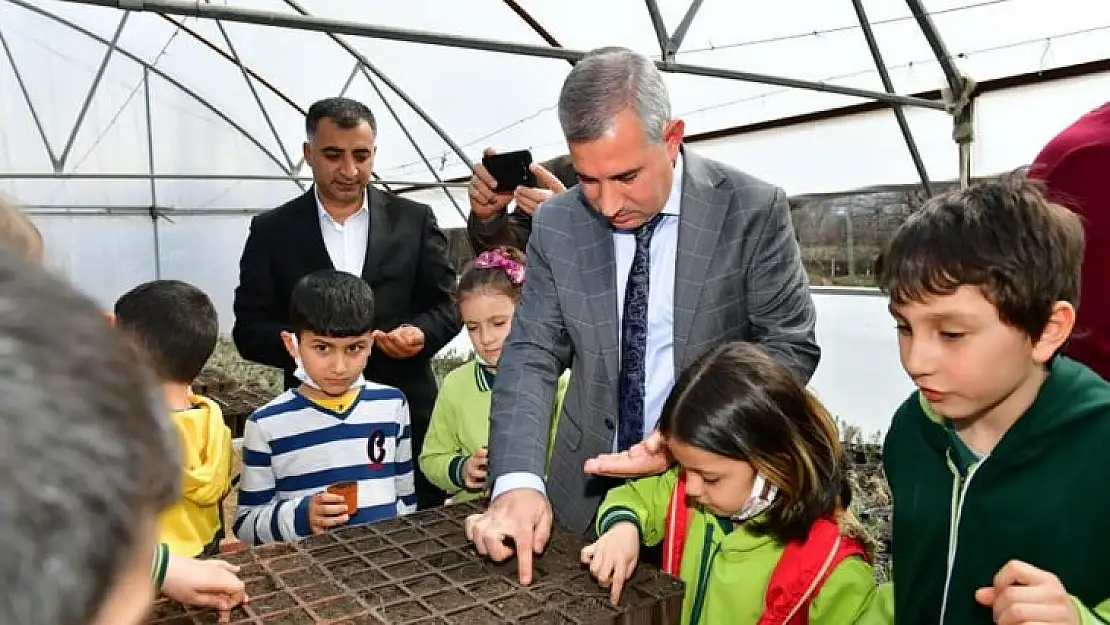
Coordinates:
(753, 519)
(454, 453)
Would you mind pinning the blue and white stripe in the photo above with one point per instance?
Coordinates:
(294, 448)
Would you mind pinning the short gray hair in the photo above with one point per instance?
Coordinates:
(607, 81)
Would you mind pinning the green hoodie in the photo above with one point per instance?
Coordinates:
(726, 569)
(460, 427)
(1041, 496)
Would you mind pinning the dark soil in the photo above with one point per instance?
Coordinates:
(447, 600)
(364, 578)
(337, 608)
(396, 572)
(472, 615)
(316, 592)
(301, 577)
(426, 585)
(516, 605)
(272, 603)
(404, 612)
(382, 595)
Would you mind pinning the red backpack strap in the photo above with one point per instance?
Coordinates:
(802, 570)
(678, 522)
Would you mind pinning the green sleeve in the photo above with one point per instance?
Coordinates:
(160, 565)
(560, 392)
(442, 458)
(642, 501)
(880, 608)
(846, 595)
(1098, 615)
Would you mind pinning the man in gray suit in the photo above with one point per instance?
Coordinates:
(655, 257)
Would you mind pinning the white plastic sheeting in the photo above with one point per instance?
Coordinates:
(167, 103)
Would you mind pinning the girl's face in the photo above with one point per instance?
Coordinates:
(721, 485)
(488, 316)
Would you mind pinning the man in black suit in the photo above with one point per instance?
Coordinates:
(392, 243)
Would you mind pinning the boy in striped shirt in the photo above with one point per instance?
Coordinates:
(334, 428)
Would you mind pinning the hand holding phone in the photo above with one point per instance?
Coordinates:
(510, 170)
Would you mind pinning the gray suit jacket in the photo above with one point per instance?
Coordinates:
(739, 276)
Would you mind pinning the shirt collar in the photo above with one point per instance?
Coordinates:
(674, 200)
(323, 213)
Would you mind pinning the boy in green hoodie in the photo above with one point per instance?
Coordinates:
(996, 463)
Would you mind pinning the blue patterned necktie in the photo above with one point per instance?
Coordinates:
(634, 324)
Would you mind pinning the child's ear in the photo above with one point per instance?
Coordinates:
(1060, 324)
(290, 341)
(111, 317)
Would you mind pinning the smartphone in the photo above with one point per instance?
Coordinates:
(510, 170)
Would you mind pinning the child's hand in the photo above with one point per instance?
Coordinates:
(613, 557)
(204, 583)
(1023, 593)
(474, 471)
(325, 511)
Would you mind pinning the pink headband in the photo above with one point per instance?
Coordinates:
(495, 259)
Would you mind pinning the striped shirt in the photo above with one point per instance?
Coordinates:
(294, 447)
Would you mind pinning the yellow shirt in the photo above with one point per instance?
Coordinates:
(194, 521)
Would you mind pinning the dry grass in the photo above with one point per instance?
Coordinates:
(227, 362)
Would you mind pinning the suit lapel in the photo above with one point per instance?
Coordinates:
(308, 233)
(380, 228)
(598, 268)
(704, 207)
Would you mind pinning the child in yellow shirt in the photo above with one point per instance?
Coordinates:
(175, 327)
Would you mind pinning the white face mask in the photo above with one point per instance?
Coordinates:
(306, 379)
(763, 495)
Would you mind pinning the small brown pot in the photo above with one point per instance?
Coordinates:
(349, 490)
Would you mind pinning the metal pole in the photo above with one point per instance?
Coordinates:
(416, 108)
(232, 177)
(412, 141)
(660, 29)
(254, 93)
(153, 183)
(27, 98)
(533, 23)
(25, 4)
(929, 29)
(683, 26)
(336, 26)
(888, 85)
(92, 91)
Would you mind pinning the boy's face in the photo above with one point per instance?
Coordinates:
(333, 363)
(966, 361)
(130, 598)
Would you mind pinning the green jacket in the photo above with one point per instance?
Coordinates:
(1041, 496)
(460, 427)
(727, 572)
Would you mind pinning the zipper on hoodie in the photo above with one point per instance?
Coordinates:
(708, 552)
(959, 495)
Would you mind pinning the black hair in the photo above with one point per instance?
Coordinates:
(332, 303)
(89, 458)
(173, 323)
(736, 401)
(345, 112)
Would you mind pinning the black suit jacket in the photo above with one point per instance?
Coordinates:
(406, 266)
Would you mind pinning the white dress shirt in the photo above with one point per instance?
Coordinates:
(346, 242)
(663, 255)
(659, 355)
